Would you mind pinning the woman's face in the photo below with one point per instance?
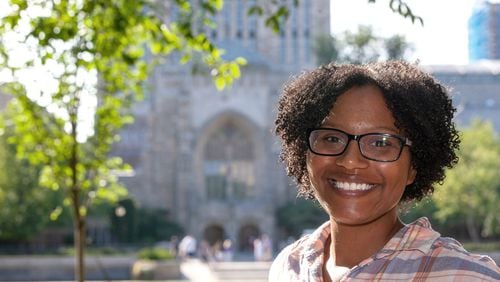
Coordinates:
(352, 189)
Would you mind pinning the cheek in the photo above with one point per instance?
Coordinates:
(312, 163)
(316, 165)
(411, 175)
(311, 168)
(398, 176)
(408, 170)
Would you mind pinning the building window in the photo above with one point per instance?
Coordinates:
(252, 24)
(239, 19)
(307, 27)
(229, 168)
(282, 46)
(227, 20)
(294, 18)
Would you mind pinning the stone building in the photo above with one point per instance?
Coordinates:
(209, 158)
(475, 90)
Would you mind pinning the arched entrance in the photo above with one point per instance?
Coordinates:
(214, 234)
(229, 163)
(246, 236)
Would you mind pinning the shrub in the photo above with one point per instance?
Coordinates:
(155, 254)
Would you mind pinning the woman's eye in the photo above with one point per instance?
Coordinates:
(332, 139)
(381, 143)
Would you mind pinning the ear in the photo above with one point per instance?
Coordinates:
(412, 173)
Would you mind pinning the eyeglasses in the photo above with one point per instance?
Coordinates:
(381, 147)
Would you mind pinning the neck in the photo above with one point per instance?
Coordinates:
(351, 244)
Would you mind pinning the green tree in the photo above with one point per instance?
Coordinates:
(132, 224)
(471, 190)
(359, 47)
(96, 50)
(25, 207)
(295, 217)
(82, 40)
(326, 49)
(396, 47)
(452, 227)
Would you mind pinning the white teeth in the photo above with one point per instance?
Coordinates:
(353, 186)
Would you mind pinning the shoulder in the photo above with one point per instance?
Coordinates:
(446, 257)
(448, 254)
(287, 262)
(419, 252)
(297, 259)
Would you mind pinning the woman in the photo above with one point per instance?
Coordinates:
(363, 140)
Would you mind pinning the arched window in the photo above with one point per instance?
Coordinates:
(229, 164)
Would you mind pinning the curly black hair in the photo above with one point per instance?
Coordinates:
(421, 106)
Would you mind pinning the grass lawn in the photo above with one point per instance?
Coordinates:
(482, 247)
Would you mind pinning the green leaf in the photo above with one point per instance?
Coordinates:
(54, 215)
(184, 5)
(273, 23)
(220, 83)
(241, 61)
(235, 70)
(255, 10)
(218, 4)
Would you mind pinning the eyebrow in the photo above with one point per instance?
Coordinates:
(381, 129)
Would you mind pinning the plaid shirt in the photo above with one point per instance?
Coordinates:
(416, 252)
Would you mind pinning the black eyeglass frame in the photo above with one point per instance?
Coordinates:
(404, 141)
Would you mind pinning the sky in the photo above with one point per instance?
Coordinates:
(442, 40)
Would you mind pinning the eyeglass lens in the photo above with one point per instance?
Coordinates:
(375, 146)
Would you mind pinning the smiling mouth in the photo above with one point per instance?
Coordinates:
(349, 186)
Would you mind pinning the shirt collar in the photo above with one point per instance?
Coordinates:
(414, 236)
(417, 235)
(316, 241)
(312, 260)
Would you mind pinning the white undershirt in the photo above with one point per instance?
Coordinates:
(335, 272)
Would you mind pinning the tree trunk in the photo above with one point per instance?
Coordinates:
(79, 232)
(470, 223)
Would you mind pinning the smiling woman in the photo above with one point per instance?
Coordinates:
(362, 140)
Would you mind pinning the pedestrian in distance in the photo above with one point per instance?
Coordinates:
(365, 140)
(187, 247)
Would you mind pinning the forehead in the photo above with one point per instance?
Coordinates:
(361, 108)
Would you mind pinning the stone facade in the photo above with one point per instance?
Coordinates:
(209, 158)
(475, 90)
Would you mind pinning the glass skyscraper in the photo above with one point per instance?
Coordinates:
(484, 31)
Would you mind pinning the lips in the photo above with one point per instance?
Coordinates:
(352, 186)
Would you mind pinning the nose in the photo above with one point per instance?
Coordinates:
(351, 158)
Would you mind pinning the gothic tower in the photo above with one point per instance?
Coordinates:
(209, 158)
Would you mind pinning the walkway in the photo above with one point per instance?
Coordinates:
(242, 271)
